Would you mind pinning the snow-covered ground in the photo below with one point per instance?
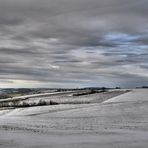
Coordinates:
(120, 122)
(64, 97)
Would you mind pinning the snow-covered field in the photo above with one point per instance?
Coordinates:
(120, 122)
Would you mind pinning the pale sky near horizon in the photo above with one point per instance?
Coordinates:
(73, 43)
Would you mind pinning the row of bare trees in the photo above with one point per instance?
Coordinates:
(18, 103)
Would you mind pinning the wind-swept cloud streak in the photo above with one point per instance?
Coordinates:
(73, 43)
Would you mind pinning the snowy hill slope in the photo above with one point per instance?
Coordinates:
(119, 122)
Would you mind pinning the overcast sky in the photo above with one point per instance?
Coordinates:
(73, 43)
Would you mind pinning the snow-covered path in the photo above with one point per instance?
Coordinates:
(117, 123)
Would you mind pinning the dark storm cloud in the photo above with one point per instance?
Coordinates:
(74, 42)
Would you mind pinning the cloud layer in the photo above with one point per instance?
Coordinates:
(73, 43)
